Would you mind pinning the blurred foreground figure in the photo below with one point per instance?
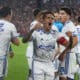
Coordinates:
(8, 34)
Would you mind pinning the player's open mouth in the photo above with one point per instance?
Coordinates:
(50, 24)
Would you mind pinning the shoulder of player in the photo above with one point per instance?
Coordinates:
(78, 26)
(69, 23)
(34, 22)
(7, 23)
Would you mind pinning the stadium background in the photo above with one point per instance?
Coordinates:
(23, 9)
(18, 68)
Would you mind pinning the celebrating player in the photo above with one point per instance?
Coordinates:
(45, 48)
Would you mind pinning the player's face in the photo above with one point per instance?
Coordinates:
(63, 16)
(40, 18)
(48, 21)
(56, 16)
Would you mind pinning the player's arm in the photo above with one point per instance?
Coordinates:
(63, 54)
(14, 36)
(15, 41)
(71, 44)
(73, 40)
(27, 37)
(11, 53)
(57, 50)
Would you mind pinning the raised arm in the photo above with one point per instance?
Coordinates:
(27, 36)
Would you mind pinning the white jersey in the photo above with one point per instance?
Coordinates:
(69, 63)
(44, 44)
(77, 32)
(33, 24)
(29, 52)
(7, 32)
(68, 26)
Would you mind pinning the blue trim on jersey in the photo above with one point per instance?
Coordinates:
(67, 63)
(46, 47)
(43, 31)
(63, 70)
(33, 69)
(4, 65)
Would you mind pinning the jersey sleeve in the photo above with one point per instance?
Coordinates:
(70, 27)
(13, 31)
(33, 24)
(34, 34)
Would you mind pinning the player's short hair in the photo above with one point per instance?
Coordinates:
(67, 10)
(47, 12)
(79, 19)
(36, 12)
(4, 11)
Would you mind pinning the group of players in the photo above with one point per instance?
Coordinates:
(53, 48)
(53, 44)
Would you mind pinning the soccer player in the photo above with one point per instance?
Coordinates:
(68, 64)
(8, 34)
(77, 31)
(29, 52)
(45, 48)
(59, 26)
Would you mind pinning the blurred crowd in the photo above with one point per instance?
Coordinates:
(23, 10)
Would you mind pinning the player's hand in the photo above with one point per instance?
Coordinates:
(63, 54)
(62, 57)
(11, 54)
(38, 26)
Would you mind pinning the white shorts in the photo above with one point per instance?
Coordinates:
(29, 54)
(43, 70)
(3, 66)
